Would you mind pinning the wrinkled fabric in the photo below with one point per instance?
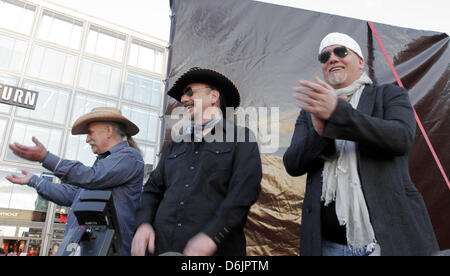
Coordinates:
(273, 224)
(265, 49)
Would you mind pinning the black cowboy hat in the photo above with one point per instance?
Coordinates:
(226, 87)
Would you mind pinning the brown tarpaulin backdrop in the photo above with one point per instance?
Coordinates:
(265, 49)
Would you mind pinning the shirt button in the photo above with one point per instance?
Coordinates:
(192, 167)
(187, 185)
(181, 203)
(179, 224)
(196, 152)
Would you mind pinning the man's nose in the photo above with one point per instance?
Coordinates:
(185, 99)
(333, 58)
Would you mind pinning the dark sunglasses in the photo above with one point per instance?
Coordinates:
(189, 92)
(341, 52)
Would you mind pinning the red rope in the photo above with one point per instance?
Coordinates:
(419, 123)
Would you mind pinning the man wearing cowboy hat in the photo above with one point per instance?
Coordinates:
(119, 167)
(352, 138)
(197, 199)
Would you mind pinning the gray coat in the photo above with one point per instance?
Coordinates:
(383, 127)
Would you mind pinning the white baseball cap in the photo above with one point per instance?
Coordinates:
(340, 39)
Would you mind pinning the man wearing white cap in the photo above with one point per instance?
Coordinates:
(119, 167)
(352, 138)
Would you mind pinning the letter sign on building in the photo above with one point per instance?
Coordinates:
(18, 96)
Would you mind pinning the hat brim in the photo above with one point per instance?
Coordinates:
(227, 88)
(81, 124)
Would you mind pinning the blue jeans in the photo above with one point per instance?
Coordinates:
(335, 249)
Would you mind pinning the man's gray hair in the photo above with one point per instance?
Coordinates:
(120, 130)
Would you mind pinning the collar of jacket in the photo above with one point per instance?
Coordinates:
(114, 149)
(222, 124)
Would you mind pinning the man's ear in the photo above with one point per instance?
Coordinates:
(361, 62)
(215, 96)
(109, 130)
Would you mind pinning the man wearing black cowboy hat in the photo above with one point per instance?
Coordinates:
(197, 199)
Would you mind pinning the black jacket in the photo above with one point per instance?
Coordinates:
(383, 127)
(202, 187)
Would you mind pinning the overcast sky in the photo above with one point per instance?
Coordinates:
(152, 16)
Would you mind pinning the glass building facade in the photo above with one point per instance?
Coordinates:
(75, 63)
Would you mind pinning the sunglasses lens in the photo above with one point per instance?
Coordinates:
(340, 51)
(324, 56)
(188, 92)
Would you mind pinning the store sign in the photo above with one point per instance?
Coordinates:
(23, 215)
(8, 214)
(18, 96)
(13, 214)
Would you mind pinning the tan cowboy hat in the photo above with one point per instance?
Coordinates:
(103, 114)
(201, 75)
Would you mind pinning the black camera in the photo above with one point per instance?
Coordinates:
(98, 233)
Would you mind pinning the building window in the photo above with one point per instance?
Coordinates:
(146, 56)
(3, 124)
(7, 231)
(51, 106)
(105, 43)
(143, 89)
(148, 154)
(16, 16)
(23, 197)
(60, 30)
(12, 53)
(100, 78)
(85, 103)
(4, 108)
(19, 197)
(23, 132)
(146, 120)
(52, 65)
(78, 149)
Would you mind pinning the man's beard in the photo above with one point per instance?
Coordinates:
(337, 79)
(92, 144)
(192, 111)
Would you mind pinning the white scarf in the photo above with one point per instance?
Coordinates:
(341, 182)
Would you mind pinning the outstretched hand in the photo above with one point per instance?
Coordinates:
(35, 153)
(21, 180)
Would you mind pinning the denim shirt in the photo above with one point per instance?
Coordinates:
(120, 170)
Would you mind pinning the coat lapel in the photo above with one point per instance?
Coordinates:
(367, 100)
